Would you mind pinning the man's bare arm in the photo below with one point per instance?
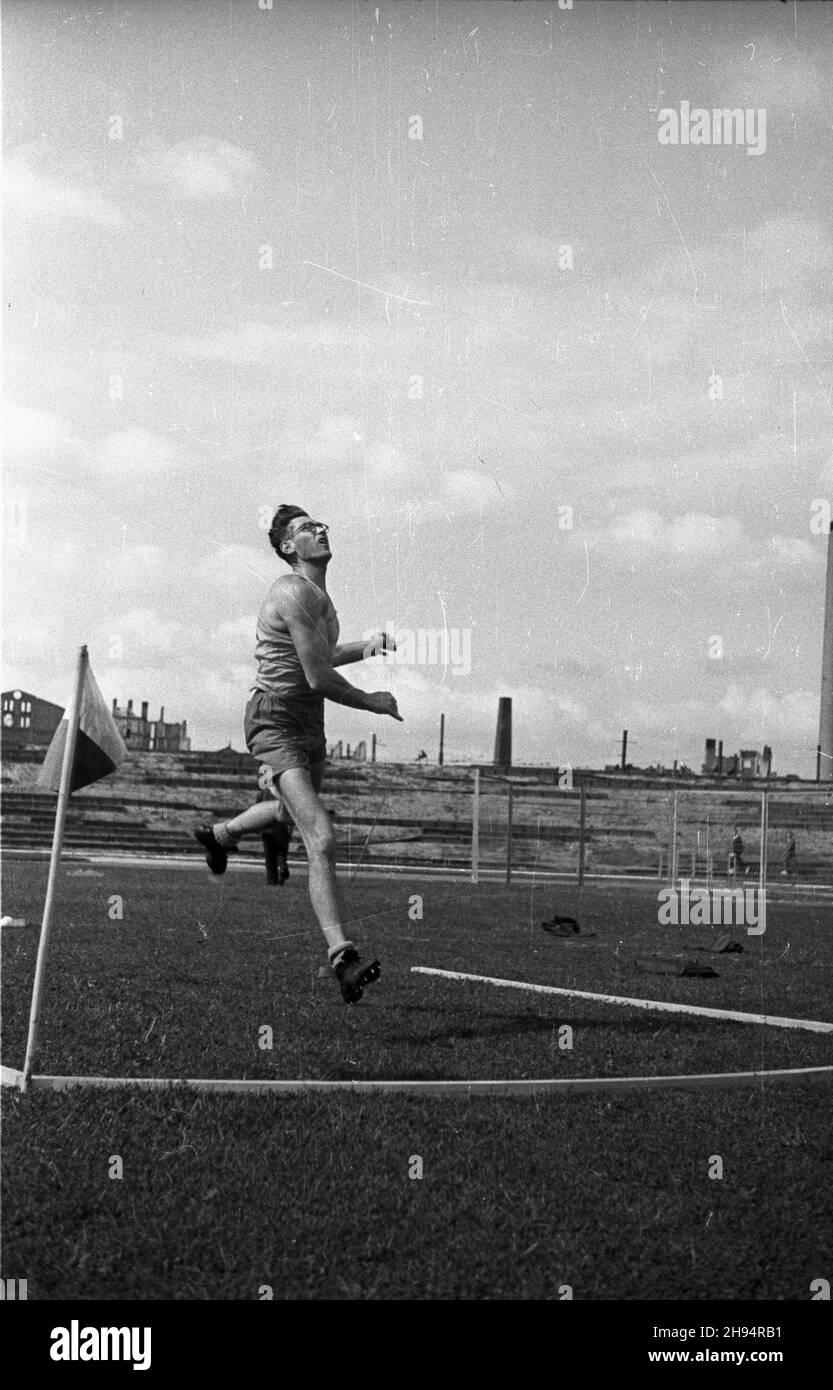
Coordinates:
(301, 617)
(375, 645)
(349, 652)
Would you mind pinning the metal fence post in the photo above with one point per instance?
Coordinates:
(475, 827)
(673, 856)
(764, 829)
(509, 839)
(582, 833)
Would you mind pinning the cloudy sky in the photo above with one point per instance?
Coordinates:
(426, 270)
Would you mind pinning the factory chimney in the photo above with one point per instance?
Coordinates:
(503, 733)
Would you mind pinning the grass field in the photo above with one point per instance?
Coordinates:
(311, 1195)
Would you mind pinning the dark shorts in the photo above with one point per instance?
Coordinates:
(282, 733)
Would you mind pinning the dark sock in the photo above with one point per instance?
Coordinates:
(270, 858)
(282, 833)
(336, 952)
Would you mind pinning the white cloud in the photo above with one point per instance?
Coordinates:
(250, 343)
(339, 433)
(695, 537)
(70, 571)
(134, 454)
(265, 344)
(467, 490)
(238, 567)
(789, 550)
(824, 480)
(199, 169)
(65, 569)
(29, 433)
(24, 633)
(792, 717)
(33, 194)
(125, 570)
(696, 540)
(539, 251)
(234, 640)
(143, 626)
(771, 74)
(791, 250)
(571, 709)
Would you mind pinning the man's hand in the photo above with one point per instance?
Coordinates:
(384, 703)
(379, 643)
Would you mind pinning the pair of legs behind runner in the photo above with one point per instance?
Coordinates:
(295, 797)
(275, 847)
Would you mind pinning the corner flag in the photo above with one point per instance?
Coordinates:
(87, 746)
(99, 747)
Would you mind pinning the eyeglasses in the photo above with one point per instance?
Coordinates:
(309, 526)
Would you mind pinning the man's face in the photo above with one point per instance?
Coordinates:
(308, 538)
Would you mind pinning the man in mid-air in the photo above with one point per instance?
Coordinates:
(297, 652)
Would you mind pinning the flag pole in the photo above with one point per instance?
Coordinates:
(55, 859)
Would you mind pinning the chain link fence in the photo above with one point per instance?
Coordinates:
(774, 837)
(596, 828)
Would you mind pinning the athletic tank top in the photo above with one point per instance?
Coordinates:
(279, 670)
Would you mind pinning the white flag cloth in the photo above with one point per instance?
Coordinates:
(99, 749)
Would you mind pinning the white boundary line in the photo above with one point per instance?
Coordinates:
(800, 895)
(731, 1014)
(805, 895)
(425, 1088)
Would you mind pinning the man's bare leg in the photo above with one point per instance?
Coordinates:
(299, 789)
(268, 818)
(282, 834)
(299, 801)
(275, 833)
(253, 821)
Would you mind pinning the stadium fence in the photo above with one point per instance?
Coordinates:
(601, 828)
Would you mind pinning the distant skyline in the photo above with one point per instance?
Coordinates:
(561, 387)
